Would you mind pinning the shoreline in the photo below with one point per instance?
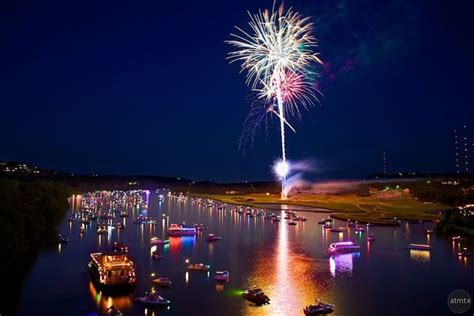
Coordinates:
(375, 214)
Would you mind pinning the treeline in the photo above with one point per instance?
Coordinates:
(29, 211)
(456, 223)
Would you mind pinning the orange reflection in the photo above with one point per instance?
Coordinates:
(103, 301)
(420, 255)
(288, 278)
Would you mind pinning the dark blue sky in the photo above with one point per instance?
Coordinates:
(144, 88)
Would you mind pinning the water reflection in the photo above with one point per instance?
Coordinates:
(103, 301)
(342, 264)
(285, 276)
(420, 255)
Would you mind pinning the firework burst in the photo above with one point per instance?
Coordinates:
(277, 55)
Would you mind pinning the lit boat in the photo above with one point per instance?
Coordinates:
(119, 247)
(457, 238)
(112, 270)
(419, 247)
(343, 247)
(158, 241)
(429, 231)
(180, 230)
(63, 239)
(359, 229)
(212, 237)
(165, 282)
(371, 237)
(221, 276)
(82, 230)
(112, 311)
(153, 299)
(256, 296)
(119, 226)
(101, 230)
(124, 214)
(465, 253)
(318, 309)
(198, 267)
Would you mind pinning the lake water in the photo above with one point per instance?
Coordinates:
(288, 262)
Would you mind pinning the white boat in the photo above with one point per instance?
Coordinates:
(165, 282)
(153, 299)
(198, 267)
(343, 247)
(180, 230)
(221, 276)
(158, 241)
(212, 237)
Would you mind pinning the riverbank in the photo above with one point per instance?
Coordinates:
(366, 209)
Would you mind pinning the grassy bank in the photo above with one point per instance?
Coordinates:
(361, 208)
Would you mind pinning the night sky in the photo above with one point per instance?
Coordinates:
(145, 88)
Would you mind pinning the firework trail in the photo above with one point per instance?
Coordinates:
(277, 55)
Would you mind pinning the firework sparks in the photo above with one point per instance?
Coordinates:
(277, 55)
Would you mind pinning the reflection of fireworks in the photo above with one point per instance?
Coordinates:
(277, 56)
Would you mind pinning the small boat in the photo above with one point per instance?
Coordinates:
(112, 311)
(198, 267)
(119, 226)
(322, 222)
(119, 247)
(429, 231)
(212, 237)
(71, 219)
(158, 241)
(457, 238)
(221, 276)
(156, 255)
(343, 247)
(465, 253)
(292, 222)
(359, 229)
(164, 282)
(82, 230)
(256, 296)
(124, 215)
(419, 247)
(334, 230)
(318, 309)
(276, 219)
(101, 230)
(63, 239)
(153, 299)
(371, 237)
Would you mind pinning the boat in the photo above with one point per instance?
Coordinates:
(119, 247)
(276, 219)
(124, 215)
(156, 255)
(153, 299)
(71, 219)
(221, 276)
(343, 247)
(112, 270)
(63, 239)
(457, 238)
(371, 237)
(181, 230)
(465, 253)
(429, 231)
(256, 295)
(198, 267)
(164, 282)
(101, 230)
(212, 237)
(111, 311)
(318, 309)
(334, 230)
(419, 247)
(119, 226)
(292, 222)
(82, 230)
(158, 241)
(359, 229)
